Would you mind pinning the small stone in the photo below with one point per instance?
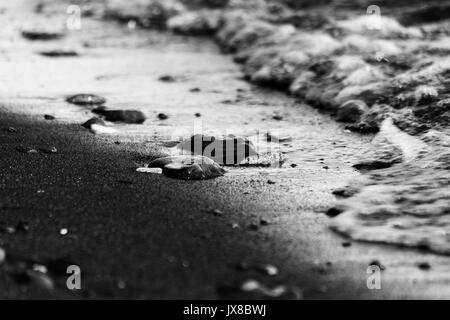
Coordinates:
(346, 244)
(333, 212)
(198, 115)
(424, 266)
(86, 99)
(263, 222)
(167, 78)
(293, 165)
(125, 116)
(63, 231)
(59, 53)
(277, 117)
(195, 90)
(326, 167)
(228, 150)
(163, 116)
(188, 167)
(352, 110)
(49, 117)
(41, 35)
(271, 182)
(377, 264)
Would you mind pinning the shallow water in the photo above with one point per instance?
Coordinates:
(407, 204)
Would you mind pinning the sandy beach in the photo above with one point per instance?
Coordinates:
(147, 236)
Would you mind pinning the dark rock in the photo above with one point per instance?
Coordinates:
(59, 53)
(227, 150)
(377, 264)
(86, 99)
(198, 115)
(333, 212)
(125, 116)
(163, 116)
(195, 90)
(346, 244)
(167, 78)
(41, 35)
(424, 266)
(188, 167)
(49, 117)
(271, 182)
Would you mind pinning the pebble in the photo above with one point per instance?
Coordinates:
(333, 212)
(163, 116)
(86, 99)
(346, 244)
(125, 116)
(59, 53)
(41, 35)
(188, 167)
(198, 115)
(277, 117)
(63, 231)
(224, 150)
(378, 264)
(195, 90)
(424, 266)
(49, 117)
(271, 182)
(167, 78)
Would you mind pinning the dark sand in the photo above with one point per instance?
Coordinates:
(155, 234)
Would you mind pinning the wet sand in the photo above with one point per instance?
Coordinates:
(139, 235)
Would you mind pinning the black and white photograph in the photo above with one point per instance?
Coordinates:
(225, 155)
